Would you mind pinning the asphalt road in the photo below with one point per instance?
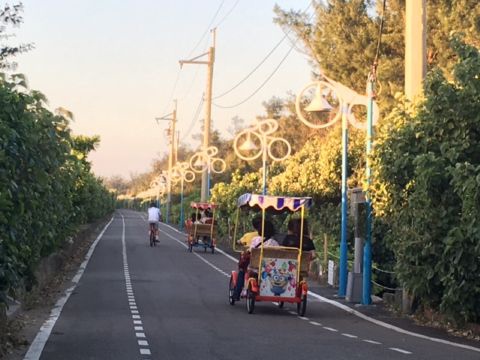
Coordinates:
(138, 302)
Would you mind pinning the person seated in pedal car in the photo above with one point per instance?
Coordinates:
(244, 260)
(293, 236)
(247, 238)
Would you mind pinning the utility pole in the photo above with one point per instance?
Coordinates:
(172, 155)
(415, 47)
(208, 107)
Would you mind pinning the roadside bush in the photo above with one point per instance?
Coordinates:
(427, 188)
(46, 188)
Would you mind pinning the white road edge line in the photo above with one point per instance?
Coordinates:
(35, 350)
(359, 314)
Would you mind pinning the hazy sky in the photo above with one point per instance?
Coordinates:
(114, 64)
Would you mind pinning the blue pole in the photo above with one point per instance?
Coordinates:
(208, 183)
(367, 247)
(342, 290)
(181, 205)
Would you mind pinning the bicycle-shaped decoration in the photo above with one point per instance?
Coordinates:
(205, 160)
(181, 173)
(259, 141)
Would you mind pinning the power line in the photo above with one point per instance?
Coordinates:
(194, 119)
(208, 28)
(261, 85)
(254, 69)
(172, 93)
(228, 13)
(263, 60)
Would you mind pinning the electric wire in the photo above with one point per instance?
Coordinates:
(208, 28)
(195, 118)
(172, 93)
(253, 70)
(228, 13)
(261, 85)
(293, 45)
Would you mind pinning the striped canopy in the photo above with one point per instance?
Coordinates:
(203, 205)
(276, 203)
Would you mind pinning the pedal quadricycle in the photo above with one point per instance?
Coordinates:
(275, 272)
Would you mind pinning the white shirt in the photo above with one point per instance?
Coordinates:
(256, 242)
(154, 214)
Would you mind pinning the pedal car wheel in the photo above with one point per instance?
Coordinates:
(231, 292)
(302, 305)
(250, 301)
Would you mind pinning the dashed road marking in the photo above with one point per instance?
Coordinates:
(139, 331)
(373, 342)
(315, 323)
(330, 329)
(400, 351)
(350, 336)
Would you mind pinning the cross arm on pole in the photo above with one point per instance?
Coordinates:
(194, 60)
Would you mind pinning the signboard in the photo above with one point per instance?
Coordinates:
(278, 277)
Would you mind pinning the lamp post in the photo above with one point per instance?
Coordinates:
(181, 172)
(263, 146)
(205, 160)
(159, 184)
(346, 99)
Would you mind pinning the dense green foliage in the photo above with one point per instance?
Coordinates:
(46, 187)
(427, 188)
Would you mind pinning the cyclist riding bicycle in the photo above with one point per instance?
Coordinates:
(154, 216)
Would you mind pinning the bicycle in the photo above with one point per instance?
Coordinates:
(153, 234)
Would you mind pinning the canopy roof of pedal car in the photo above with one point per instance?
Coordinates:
(203, 205)
(274, 203)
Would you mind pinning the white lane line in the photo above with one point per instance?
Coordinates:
(373, 342)
(401, 351)
(35, 350)
(200, 257)
(315, 323)
(139, 331)
(350, 336)
(304, 318)
(292, 313)
(330, 329)
(355, 312)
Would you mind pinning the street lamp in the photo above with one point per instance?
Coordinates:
(346, 99)
(160, 185)
(180, 172)
(261, 145)
(205, 160)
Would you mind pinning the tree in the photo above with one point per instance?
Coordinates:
(427, 188)
(10, 16)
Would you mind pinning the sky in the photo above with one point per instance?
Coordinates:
(115, 65)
